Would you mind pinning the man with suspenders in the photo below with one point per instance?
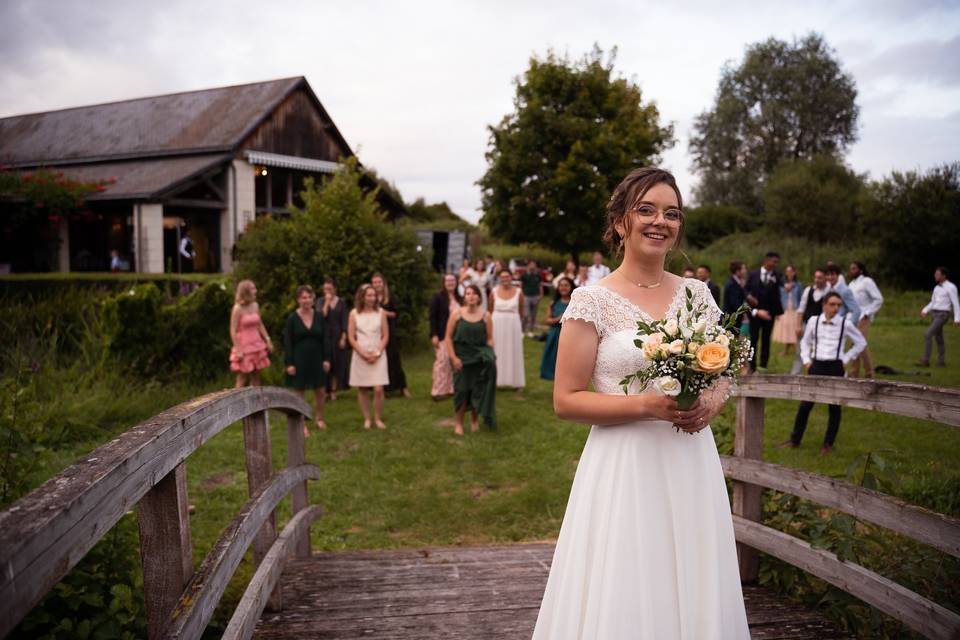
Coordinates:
(821, 350)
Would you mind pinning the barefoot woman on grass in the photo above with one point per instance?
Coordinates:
(307, 362)
(368, 332)
(470, 344)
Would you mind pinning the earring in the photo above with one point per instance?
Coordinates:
(621, 242)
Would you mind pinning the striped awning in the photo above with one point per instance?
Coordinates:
(267, 159)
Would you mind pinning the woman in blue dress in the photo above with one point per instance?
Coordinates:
(565, 287)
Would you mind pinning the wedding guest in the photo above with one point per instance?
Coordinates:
(763, 295)
(187, 253)
(570, 271)
(469, 341)
(583, 276)
(734, 294)
(304, 349)
(688, 272)
(835, 280)
(822, 352)
(250, 340)
(464, 268)
(869, 299)
(443, 304)
(943, 300)
(703, 275)
(833, 265)
(531, 283)
(506, 304)
(477, 274)
(561, 299)
(597, 271)
(786, 326)
(368, 331)
(811, 304)
(334, 310)
(398, 379)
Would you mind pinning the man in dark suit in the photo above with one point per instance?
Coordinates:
(703, 275)
(734, 294)
(763, 296)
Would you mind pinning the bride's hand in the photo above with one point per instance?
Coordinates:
(695, 419)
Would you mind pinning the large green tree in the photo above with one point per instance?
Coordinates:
(785, 101)
(576, 130)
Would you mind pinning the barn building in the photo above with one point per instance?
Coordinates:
(204, 162)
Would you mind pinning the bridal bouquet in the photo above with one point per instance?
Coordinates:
(687, 354)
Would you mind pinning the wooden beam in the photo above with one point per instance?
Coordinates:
(748, 443)
(259, 456)
(937, 404)
(923, 525)
(296, 456)
(267, 577)
(195, 203)
(199, 600)
(915, 611)
(166, 552)
(45, 533)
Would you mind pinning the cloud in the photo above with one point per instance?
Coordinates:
(931, 61)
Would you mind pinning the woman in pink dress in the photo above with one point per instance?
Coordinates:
(251, 343)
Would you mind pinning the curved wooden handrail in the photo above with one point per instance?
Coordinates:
(938, 404)
(917, 612)
(43, 535)
(191, 615)
(245, 617)
(923, 525)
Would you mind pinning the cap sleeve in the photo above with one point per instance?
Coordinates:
(585, 306)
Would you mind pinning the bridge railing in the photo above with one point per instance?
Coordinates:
(43, 535)
(750, 475)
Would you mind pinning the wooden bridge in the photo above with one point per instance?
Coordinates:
(459, 592)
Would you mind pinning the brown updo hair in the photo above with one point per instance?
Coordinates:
(626, 195)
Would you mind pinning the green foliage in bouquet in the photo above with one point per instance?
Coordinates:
(688, 352)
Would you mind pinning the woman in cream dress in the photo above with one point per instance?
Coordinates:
(368, 332)
(646, 550)
(506, 303)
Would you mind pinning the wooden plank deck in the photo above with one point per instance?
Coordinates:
(458, 592)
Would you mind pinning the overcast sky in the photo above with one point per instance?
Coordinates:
(413, 85)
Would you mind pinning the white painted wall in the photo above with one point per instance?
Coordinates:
(245, 211)
(150, 245)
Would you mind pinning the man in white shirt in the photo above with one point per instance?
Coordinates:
(811, 304)
(942, 304)
(868, 296)
(822, 352)
(187, 253)
(597, 271)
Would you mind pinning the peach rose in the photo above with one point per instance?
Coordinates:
(712, 358)
(651, 345)
(676, 347)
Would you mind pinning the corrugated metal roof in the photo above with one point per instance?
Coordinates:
(142, 179)
(181, 123)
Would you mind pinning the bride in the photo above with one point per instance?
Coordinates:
(646, 549)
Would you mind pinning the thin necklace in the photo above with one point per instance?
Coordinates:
(642, 286)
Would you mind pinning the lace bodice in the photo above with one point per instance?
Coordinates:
(615, 319)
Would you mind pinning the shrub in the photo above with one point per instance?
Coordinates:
(707, 224)
(340, 233)
(818, 199)
(916, 221)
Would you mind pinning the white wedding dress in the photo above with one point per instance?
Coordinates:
(646, 549)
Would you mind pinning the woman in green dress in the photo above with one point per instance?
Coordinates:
(469, 341)
(303, 348)
(548, 364)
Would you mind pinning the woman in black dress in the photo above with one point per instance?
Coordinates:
(303, 349)
(398, 379)
(335, 314)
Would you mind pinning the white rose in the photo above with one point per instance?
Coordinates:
(687, 332)
(670, 327)
(667, 385)
(676, 347)
(723, 339)
(700, 325)
(692, 347)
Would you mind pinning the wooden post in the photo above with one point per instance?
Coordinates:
(748, 443)
(256, 445)
(166, 551)
(297, 455)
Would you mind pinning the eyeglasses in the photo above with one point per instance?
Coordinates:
(648, 213)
